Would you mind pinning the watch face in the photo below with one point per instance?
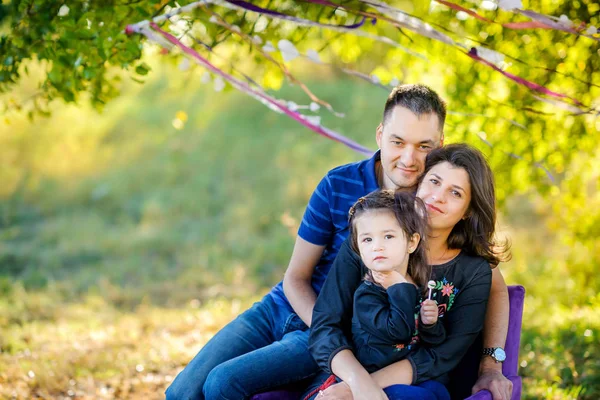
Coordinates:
(499, 355)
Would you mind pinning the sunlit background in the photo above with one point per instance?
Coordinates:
(129, 235)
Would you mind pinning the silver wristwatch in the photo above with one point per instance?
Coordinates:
(497, 353)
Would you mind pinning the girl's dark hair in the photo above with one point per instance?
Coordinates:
(411, 215)
(474, 234)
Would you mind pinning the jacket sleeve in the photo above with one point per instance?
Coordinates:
(331, 329)
(463, 324)
(432, 334)
(390, 317)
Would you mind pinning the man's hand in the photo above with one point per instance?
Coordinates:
(388, 278)
(429, 312)
(493, 380)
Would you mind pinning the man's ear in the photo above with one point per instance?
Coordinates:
(379, 134)
(442, 140)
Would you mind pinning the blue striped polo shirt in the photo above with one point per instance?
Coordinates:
(325, 221)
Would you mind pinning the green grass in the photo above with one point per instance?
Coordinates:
(126, 243)
(93, 349)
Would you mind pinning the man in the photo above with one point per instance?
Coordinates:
(267, 346)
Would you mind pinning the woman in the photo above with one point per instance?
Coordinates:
(457, 188)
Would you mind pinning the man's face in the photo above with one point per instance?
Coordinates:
(405, 139)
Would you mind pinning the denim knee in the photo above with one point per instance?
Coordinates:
(177, 391)
(222, 383)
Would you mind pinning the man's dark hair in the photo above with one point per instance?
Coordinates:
(419, 99)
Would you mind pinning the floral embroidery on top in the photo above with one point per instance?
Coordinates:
(448, 290)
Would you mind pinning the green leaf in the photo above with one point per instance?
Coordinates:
(69, 96)
(89, 73)
(55, 75)
(142, 69)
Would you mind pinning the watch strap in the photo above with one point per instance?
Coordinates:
(489, 351)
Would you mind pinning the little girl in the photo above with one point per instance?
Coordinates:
(387, 230)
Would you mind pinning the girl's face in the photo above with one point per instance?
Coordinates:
(446, 191)
(382, 243)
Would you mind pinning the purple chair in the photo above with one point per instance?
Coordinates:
(510, 367)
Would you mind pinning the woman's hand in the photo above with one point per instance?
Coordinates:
(360, 390)
(339, 391)
(493, 380)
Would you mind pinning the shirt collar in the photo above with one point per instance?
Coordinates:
(371, 174)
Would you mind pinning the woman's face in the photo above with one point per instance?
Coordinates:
(446, 191)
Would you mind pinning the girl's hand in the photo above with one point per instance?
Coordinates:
(429, 312)
(388, 278)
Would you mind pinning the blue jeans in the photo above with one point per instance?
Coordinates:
(429, 390)
(265, 347)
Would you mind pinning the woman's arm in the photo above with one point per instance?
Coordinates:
(398, 373)
(494, 335)
(432, 335)
(394, 374)
(357, 383)
(463, 323)
(496, 317)
(329, 341)
(332, 315)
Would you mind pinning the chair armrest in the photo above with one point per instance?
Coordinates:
(516, 294)
(482, 395)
